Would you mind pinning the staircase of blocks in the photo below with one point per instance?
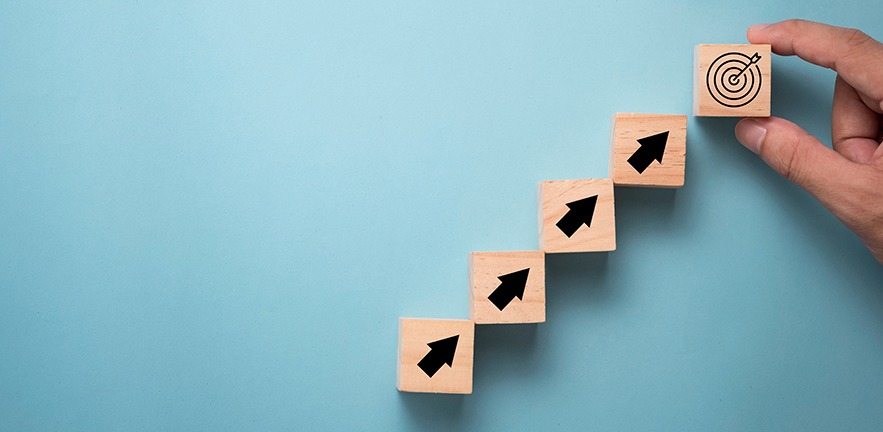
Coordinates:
(646, 150)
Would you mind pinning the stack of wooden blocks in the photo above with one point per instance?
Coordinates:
(646, 150)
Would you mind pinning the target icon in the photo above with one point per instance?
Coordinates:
(734, 79)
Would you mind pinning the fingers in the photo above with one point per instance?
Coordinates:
(850, 191)
(797, 156)
(854, 127)
(854, 55)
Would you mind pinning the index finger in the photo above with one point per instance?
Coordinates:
(857, 57)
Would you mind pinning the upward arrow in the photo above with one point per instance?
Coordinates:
(581, 212)
(441, 352)
(511, 286)
(652, 148)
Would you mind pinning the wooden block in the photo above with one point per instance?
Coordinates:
(435, 356)
(507, 287)
(732, 80)
(576, 216)
(648, 150)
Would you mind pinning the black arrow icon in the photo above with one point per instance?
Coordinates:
(652, 148)
(511, 286)
(441, 352)
(581, 212)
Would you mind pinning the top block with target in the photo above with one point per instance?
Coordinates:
(732, 80)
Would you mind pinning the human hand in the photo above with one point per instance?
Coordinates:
(848, 180)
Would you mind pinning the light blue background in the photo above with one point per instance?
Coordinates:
(212, 216)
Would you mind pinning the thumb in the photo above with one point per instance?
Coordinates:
(797, 156)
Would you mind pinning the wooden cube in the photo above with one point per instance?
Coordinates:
(435, 356)
(648, 150)
(507, 287)
(732, 80)
(576, 216)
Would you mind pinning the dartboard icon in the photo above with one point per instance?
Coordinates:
(734, 79)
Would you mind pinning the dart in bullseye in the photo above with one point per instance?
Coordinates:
(734, 79)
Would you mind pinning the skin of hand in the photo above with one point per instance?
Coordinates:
(847, 180)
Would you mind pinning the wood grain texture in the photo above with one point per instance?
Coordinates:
(704, 103)
(553, 197)
(414, 335)
(485, 268)
(627, 129)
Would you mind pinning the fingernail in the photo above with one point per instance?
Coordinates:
(750, 133)
(757, 27)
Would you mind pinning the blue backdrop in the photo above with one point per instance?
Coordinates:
(212, 216)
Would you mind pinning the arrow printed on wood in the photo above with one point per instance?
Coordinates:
(652, 149)
(580, 212)
(511, 285)
(441, 352)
